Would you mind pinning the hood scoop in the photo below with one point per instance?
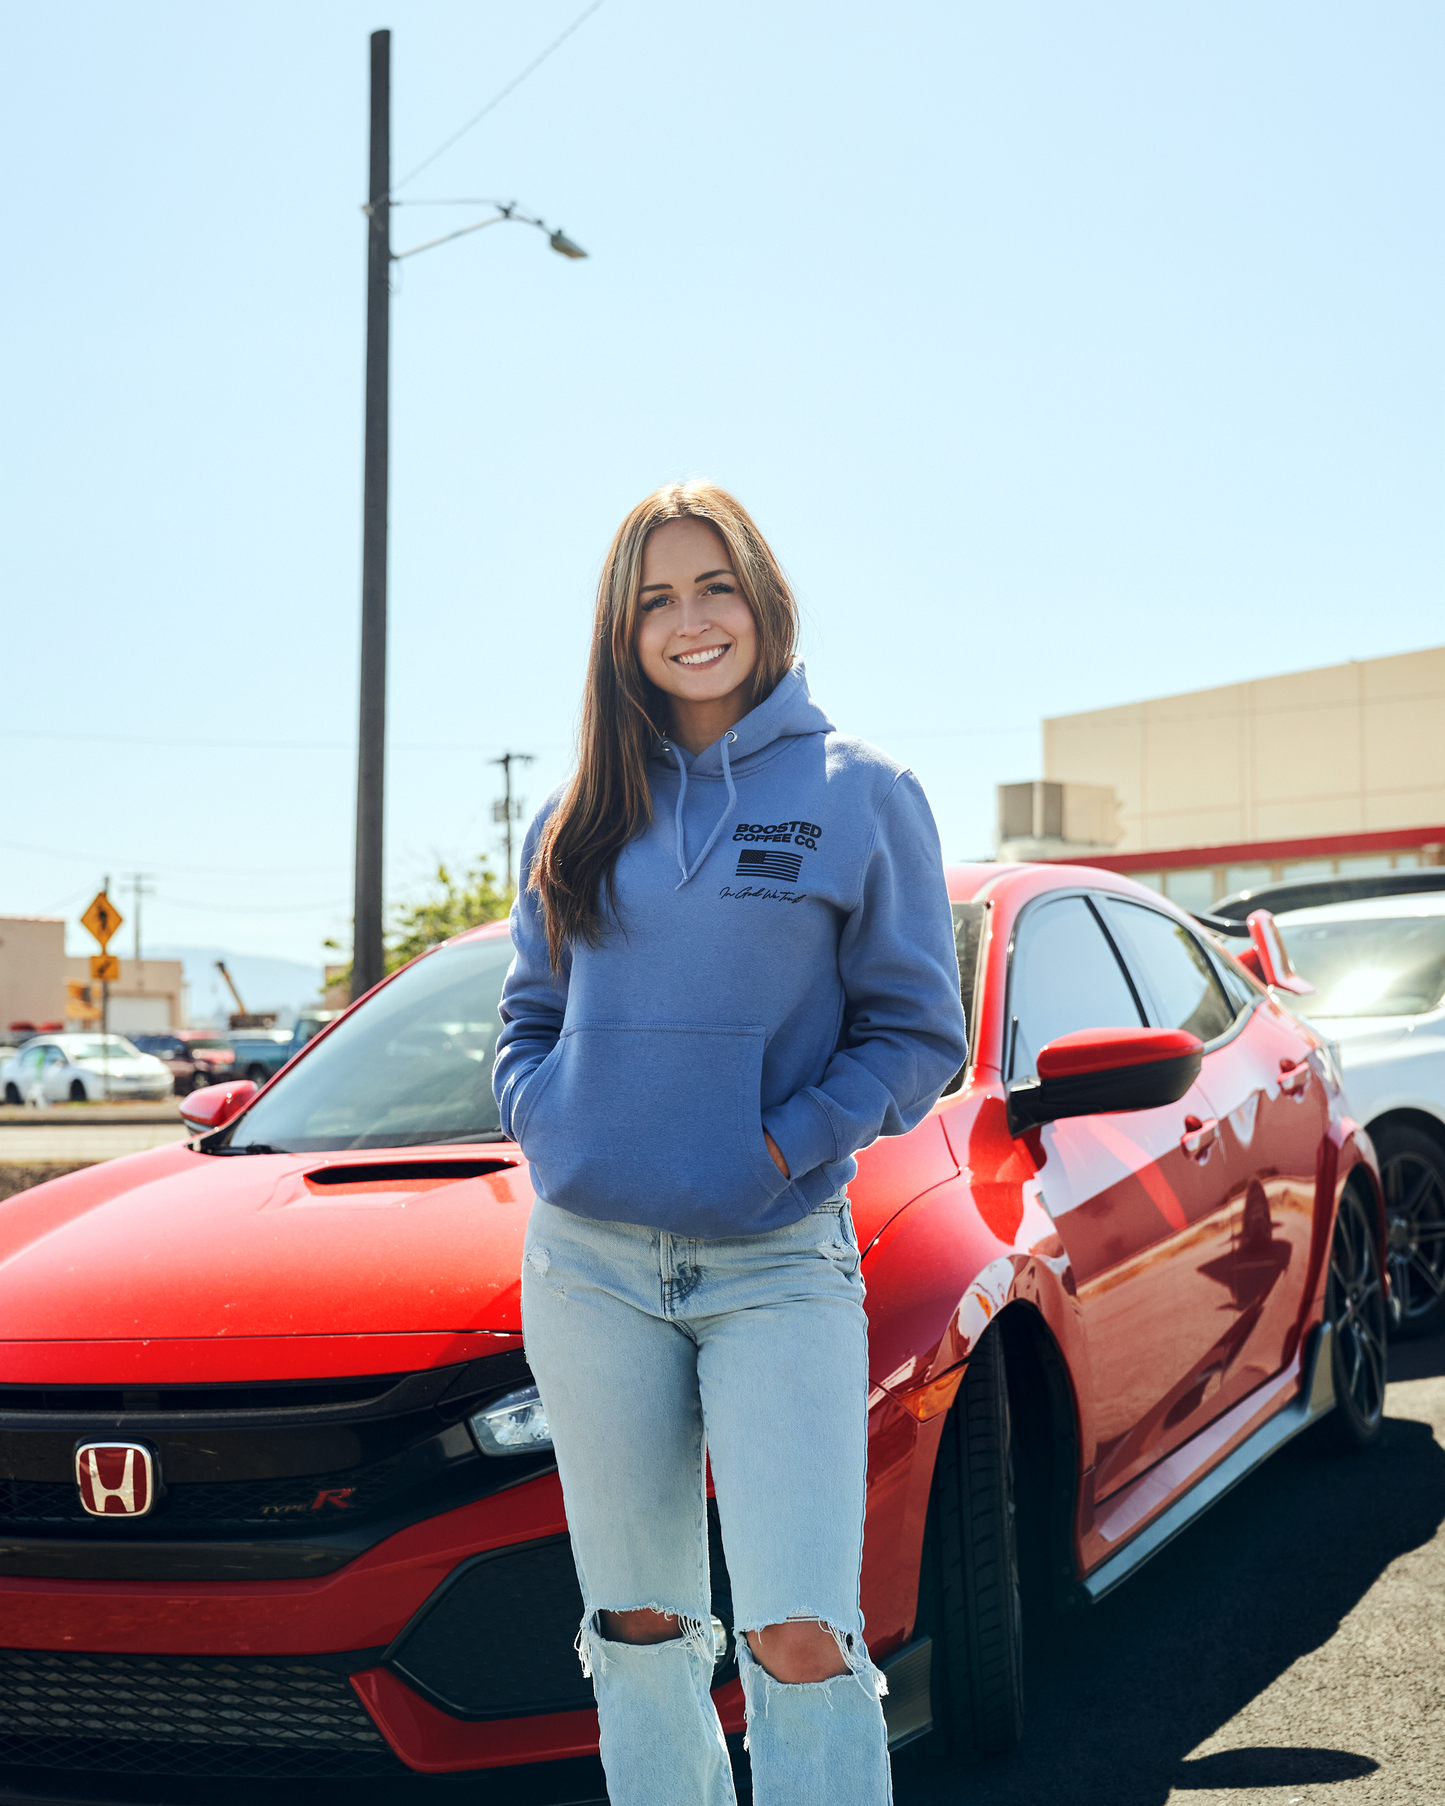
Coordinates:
(407, 1174)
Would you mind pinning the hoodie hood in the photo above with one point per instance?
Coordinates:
(788, 713)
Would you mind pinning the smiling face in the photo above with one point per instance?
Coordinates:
(696, 637)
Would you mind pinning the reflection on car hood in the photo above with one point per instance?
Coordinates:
(173, 1243)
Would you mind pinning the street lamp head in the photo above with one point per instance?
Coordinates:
(560, 242)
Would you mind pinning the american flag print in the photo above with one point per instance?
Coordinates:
(764, 862)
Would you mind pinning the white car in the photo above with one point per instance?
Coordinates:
(1378, 968)
(80, 1069)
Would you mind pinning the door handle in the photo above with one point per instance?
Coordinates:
(1199, 1137)
(1294, 1075)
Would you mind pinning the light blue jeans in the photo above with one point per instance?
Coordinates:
(650, 1351)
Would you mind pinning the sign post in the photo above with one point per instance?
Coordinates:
(102, 919)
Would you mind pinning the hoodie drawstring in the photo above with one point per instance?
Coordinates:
(690, 872)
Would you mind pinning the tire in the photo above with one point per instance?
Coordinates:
(1412, 1168)
(12, 1095)
(1355, 1310)
(258, 1075)
(972, 1595)
(78, 1092)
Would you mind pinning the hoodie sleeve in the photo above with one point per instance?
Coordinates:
(903, 1035)
(534, 998)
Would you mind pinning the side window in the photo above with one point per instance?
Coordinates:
(1064, 975)
(1237, 987)
(1172, 966)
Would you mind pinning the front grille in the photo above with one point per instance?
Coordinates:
(303, 1501)
(113, 1401)
(186, 1715)
(276, 1492)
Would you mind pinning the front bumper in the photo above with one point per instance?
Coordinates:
(448, 1646)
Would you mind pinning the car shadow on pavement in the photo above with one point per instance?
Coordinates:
(1422, 1360)
(1120, 1693)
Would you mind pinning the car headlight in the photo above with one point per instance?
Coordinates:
(514, 1425)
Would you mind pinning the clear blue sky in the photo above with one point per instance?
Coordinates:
(1068, 355)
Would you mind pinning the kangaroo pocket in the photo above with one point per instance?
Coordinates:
(641, 1122)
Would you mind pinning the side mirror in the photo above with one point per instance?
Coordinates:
(1271, 963)
(1094, 1070)
(216, 1105)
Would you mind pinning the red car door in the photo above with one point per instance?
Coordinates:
(1183, 989)
(1273, 1114)
(1139, 1202)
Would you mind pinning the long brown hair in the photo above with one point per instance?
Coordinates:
(608, 802)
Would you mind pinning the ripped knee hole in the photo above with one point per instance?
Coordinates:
(801, 1650)
(642, 1625)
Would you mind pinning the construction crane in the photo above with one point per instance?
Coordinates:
(241, 1017)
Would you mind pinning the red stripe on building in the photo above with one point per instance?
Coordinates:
(1260, 852)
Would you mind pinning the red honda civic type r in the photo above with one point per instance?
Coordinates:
(277, 1495)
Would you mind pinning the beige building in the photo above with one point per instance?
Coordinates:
(36, 976)
(1334, 770)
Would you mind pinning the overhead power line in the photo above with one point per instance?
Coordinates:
(499, 96)
(347, 746)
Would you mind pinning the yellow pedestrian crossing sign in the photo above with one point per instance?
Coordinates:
(102, 918)
(105, 967)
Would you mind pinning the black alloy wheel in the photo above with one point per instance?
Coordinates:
(1412, 1167)
(1355, 1311)
(970, 1596)
(77, 1092)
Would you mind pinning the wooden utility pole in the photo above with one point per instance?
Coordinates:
(369, 960)
(504, 809)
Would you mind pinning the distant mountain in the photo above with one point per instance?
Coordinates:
(283, 985)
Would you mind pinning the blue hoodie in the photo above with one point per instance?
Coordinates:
(782, 959)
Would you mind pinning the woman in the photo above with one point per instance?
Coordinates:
(734, 966)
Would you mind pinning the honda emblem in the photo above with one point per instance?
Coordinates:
(116, 1479)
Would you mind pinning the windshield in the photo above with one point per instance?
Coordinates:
(1391, 967)
(411, 1067)
(101, 1047)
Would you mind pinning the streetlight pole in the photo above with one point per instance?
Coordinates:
(369, 958)
(368, 966)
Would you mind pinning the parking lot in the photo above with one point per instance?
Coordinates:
(36, 1145)
(1286, 1651)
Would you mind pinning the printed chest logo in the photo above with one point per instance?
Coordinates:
(777, 858)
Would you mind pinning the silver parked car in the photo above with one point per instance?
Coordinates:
(82, 1068)
(1378, 968)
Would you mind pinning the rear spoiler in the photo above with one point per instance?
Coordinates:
(1222, 925)
(1266, 956)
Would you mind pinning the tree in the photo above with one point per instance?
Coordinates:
(457, 904)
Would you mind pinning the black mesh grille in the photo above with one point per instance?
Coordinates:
(192, 1715)
(109, 1402)
(495, 1639)
(304, 1501)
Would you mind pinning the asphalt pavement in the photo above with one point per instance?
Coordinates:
(1289, 1650)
